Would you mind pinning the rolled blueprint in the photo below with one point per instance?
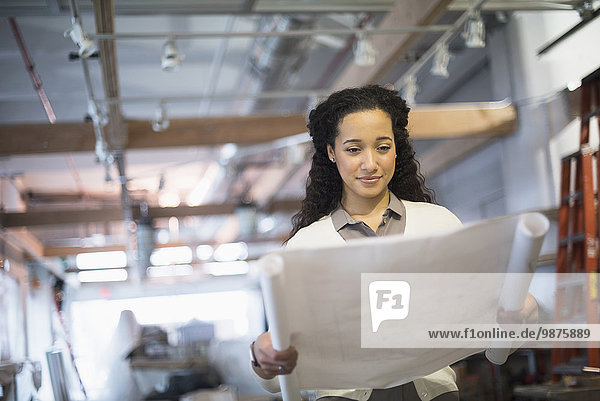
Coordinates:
(273, 292)
(527, 243)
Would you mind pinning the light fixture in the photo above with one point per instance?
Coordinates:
(171, 59)
(226, 268)
(171, 255)
(230, 252)
(101, 260)
(161, 120)
(86, 46)
(440, 61)
(99, 276)
(204, 252)
(364, 51)
(169, 271)
(410, 89)
(474, 33)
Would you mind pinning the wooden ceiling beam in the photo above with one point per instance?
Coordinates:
(74, 250)
(116, 130)
(108, 214)
(425, 122)
(462, 120)
(79, 137)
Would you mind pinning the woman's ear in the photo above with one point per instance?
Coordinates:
(330, 153)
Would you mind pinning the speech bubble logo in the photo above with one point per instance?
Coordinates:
(389, 300)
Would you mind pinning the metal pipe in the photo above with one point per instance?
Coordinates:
(37, 82)
(101, 145)
(570, 32)
(517, 5)
(223, 96)
(291, 33)
(215, 69)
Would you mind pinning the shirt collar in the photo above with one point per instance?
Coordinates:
(339, 217)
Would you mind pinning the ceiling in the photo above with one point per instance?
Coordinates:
(236, 109)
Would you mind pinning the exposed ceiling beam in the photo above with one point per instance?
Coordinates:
(392, 48)
(425, 122)
(79, 137)
(30, 246)
(74, 250)
(462, 120)
(116, 130)
(62, 217)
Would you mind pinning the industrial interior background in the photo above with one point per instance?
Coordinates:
(171, 136)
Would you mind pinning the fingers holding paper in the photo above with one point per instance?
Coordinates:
(528, 314)
(271, 361)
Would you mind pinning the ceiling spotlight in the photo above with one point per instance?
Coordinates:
(86, 46)
(474, 33)
(364, 51)
(171, 59)
(410, 89)
(161, 120)
(440, 61)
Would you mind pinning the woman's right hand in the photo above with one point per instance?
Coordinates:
(272, 362)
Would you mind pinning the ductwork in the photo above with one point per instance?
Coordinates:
(274, 61)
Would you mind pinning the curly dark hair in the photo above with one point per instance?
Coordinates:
(324, 184)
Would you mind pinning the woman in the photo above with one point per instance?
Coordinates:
(364, 182)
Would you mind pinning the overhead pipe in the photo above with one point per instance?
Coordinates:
(222, 96)
(585, 20)
(274, 59)
(215, 69)
(99, 119)
(288, 33)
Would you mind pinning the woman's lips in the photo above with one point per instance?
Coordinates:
(369, 180)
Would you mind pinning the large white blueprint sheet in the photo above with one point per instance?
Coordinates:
(313, 298)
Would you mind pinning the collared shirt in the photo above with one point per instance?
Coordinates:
(393, 221)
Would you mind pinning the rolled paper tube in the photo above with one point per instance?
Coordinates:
(271, 281)
(527, 243)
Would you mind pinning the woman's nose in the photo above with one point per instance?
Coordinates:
(369, 163)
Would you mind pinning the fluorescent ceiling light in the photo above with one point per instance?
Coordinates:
(101, 260)
(169, 271)
(168, 199)
(204, 252)
(226, 268)
(231, 251)
(99, 276)
(171, 255)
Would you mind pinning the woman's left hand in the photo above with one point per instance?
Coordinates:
(528, 314)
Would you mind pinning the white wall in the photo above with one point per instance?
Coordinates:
(520, 172)
(528, 160)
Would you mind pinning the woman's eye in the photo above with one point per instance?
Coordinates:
(352, 150)
(384, 148)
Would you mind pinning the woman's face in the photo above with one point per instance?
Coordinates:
(364, 154)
